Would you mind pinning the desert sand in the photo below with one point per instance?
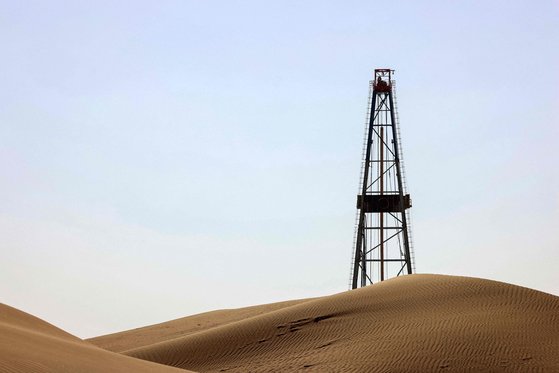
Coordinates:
(28, 344)
(415, 323)
(149, 335)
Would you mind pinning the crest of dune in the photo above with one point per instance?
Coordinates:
(31, 345)
(412, 323)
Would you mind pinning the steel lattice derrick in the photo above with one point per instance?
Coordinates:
(382, 244)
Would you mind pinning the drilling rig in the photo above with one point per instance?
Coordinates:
(382, 242)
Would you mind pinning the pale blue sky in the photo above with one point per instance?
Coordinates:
(159, 159)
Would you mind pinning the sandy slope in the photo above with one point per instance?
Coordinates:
(28, 344)
(418, 323)
(123, 341)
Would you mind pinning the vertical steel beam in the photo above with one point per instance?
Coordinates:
(359, 252)
(400, 188)
(381, 217)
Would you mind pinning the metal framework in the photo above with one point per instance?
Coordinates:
(382, 237)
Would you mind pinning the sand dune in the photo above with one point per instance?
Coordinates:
(416, 323)
(131, 339)
(28, 344)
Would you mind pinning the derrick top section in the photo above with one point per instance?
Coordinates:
(383, 80)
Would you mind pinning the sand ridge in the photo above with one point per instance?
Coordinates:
(139, 337)
(413, 323)
(28, 344)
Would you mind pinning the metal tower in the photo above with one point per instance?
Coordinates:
(382, 237)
